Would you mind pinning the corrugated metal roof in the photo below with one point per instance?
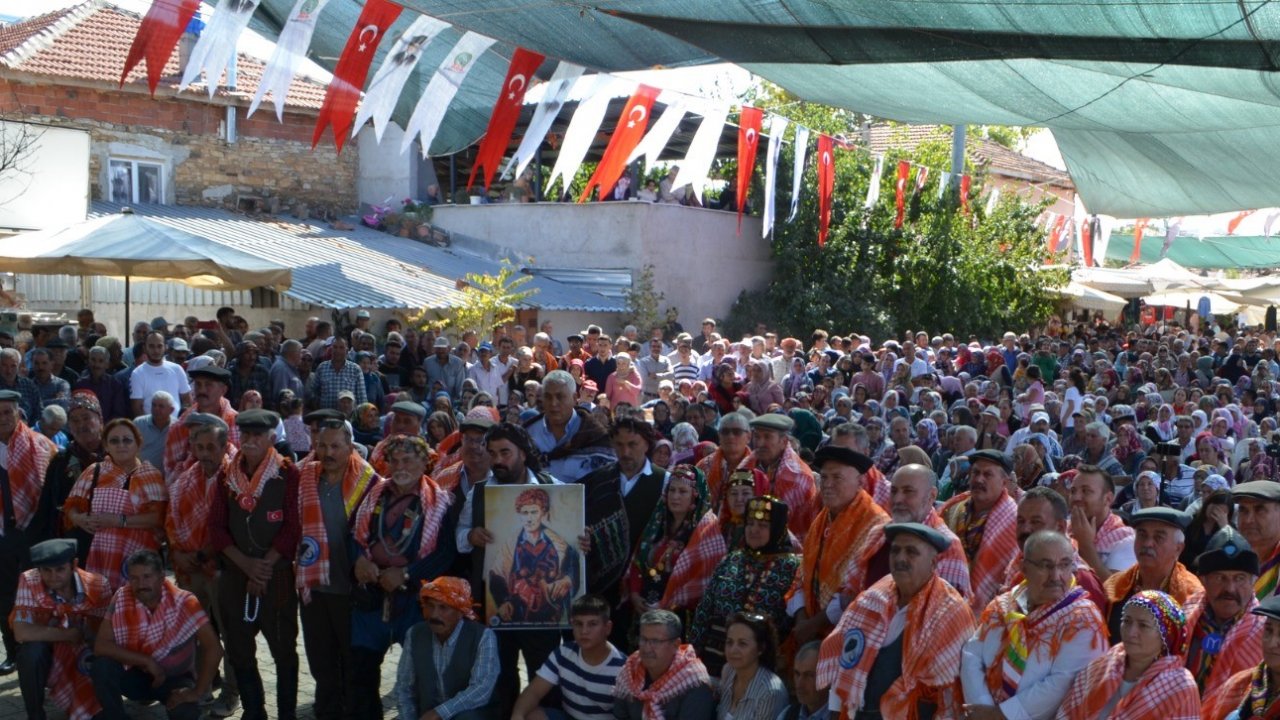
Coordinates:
(359, 268)
(610, 283)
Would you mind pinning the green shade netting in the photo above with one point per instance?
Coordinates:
(1210, 253)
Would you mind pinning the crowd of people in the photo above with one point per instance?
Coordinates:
(1077, 523)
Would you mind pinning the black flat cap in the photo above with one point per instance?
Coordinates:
(842, 455)
(1165, 515)
(993, 456)
(197, 419)
(939, 541)
(316, 416)
(52, 553)
(257, 420)
(1257, 490)
(1268, 608)
(10, 396)
(1228, 551)
(408, 407)
(213, 372)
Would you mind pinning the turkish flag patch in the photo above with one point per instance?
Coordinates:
(275, 516)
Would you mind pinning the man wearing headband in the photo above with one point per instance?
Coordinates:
(463, 689)
(1160, 539)
(884, 667)
(790, 479)
(985, 519)
(1223, 636)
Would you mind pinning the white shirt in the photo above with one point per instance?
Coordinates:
(146, 379)
(491, 380)
(1120, 556)
(464, 520)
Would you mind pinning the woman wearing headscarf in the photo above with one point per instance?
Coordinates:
(1146, 493)
(1210, 456)
(927, 436)
(743, 484)
(808, 429)
(753, 577)
(797, 380)
(1128, 448)
(683, 437)
(1162, 429)
(1233, 368)
(899, 437)
(1142, 677)
(1213, 514)
(1200, 421)
(724, 388)
(762, 391)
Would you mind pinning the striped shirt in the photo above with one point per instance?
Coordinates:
(587, 690)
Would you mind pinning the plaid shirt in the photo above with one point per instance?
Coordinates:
(484, 674)
(31, 403)
(326, 382)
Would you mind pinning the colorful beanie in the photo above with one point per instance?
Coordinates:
(1170, 620)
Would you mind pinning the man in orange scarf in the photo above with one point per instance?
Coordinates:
(664, 678)
(985, 519)
(879, 662)
(1223, 636)
(209, 389)
(1255, 692)
(735, 436)
(406, 419)
(1159, 541)
(790, 479)
(840, 541)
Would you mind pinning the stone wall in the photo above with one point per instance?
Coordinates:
(269, 159)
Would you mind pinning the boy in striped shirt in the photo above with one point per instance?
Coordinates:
(584, 670)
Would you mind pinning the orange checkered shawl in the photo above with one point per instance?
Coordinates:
(686, 673)
(449, 477)
(435, 503)
(69, 681)
(1166, 691)
(939, 623)
(792, 483)
(1241, 648)
(177, 447)
(312, 566)
(693, 568)
(29, 456)
(157, 632)
(953, 566)
(878, 485)
(1181, 585)
(119, 492)
(1232, 694)
(186, 522)
(999, 543)
(717, 471)
(834, 551)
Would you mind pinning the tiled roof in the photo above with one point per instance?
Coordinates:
(998, 159)
(90, 41)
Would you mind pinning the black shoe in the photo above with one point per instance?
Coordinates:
(8, 667)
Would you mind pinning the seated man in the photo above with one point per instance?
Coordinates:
(585, 670)
(463, 688)
(57, 612)
(1252, 693)
(664, 678)
(811, 702)
(146, 649)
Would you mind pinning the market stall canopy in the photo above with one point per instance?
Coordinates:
(1087, 298)
(1123, 283)
(1219, 303)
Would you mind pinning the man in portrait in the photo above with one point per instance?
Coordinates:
(535, 578)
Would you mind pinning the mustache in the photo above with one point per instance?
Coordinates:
(1147, 552)
(1228, 595)
(901, 567)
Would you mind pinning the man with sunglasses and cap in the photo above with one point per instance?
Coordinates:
(1223, 636)
(790, 479)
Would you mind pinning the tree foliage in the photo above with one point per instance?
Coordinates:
(643, 301)
(945, 270)
(488, 301)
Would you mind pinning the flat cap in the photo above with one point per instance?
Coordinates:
(56, 344)
(939, 541)
(408, 407)
(773, 421)
(199, 419)
(1227, 550)
(1256, 489)
(1269, 608)
(51, 553)
(441, 342)
(476, 422)
(993, 456)
(213, 372)
(1168, 516)
(10, 396)
(316, 416)
(257, 419)
(842, 455)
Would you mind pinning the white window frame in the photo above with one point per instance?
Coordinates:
(134, 165)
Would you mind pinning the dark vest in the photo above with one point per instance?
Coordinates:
(458, 673)
(254, 532)
(641, 502)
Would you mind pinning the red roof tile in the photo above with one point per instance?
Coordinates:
(92, 46)
(998, 159)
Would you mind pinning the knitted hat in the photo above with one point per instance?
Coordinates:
(1170, 620)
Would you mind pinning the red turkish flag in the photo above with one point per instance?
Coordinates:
(900, 192)
(626, 136)
(1055, 234)
(506, 110)
(1138, 229)
(748, 140)
(1086, 241)
(157, 36)
(340, 100)
(826, 184)
(964, 194)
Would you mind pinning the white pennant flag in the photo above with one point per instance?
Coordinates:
(380, 99)
(1266, 227)
(581, 131)
(655, 141)
(444, 85)
(777, 128)
(993, 198)
(553, 95)
(291, 50)
(1106, 224)
(944, 182)
(802, 146)
(216, 47)
(696, 166)
(873, 187)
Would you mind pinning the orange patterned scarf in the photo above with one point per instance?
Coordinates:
(313, 552)
(999, 543)
(1181, 585)
(686, 673)
(1165, 691)
(29, 456)
(705, 549)
(246, 490)
(831, 546)
(434, 500)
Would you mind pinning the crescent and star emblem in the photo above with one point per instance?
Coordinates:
(633, 119)
(364, 43)
(826, 158)
(512, 86)
(751, 136)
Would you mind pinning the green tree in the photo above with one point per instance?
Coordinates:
(643, 302)
(487, 302)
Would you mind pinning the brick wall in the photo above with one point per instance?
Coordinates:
(269, 159)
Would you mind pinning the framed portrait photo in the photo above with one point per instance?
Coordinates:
(534, 570)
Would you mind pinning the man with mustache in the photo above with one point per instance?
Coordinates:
(912, 492)
(985, 519)
(1032, 640)
(1224, 637)
(1258, 519)
(790, 479)
(1043, 508)
(209, 387)
(896, 651)
(406, 419)
(1252, 693)
(1159, 540)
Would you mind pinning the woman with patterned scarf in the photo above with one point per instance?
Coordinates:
(679, 548)
(1253, 694)
(1143, 676)
(743, 485)
(754, 577)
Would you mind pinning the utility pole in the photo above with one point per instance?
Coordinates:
(957, 154)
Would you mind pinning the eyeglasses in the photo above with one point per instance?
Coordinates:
(654, 642)
(1063, 568)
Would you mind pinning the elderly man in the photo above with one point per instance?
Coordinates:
(1097, 437)
(1039, 509)
(330, 489)
(1032, 640)
(29, 403)
(1258, 519)
(913, 491)
(664, 678)
(84, 423)
(147, 646)
(1160, 539)
(23, 465)
(839, 545)
(811, 701)
(473, 464)
(735, 437)
(985, 519)
(570, 438)
(854, 436)
(406, 419)
(1252, 693)
(1103, 539)
(449, 664)
(1223, 636)
(284, 372)
(56, 616)
(334, 376)
(445, 371)
(96, 378)
(209, 386)
(254, 525)
(156, 373)
(896, 650)
(53, 389)
(790, 479)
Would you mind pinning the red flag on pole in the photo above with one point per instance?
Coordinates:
(826, 184)
(748, 140)
(900, 192)
(964, 194)
(1138, 229)
(1055, 234)
(626, 136)
(157, 36)
(340, 100)
(1086, 241)
(506, 110)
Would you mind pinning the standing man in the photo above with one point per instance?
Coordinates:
(654, 368)
(985, 519)
(449, 664)
(1159, 541)
(570, 439)
(790, 479)
(154, 374)
(445, 371)
(110, 392)
(1105, 542)
(284, 372)
(29, 395)
(1258, 508)
(406, 419)
(333, 377)
(210, 388)
(735, 437)
(1224, 637)
(490, 377)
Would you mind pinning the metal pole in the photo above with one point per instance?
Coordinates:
(128, 330)
(537, 175)
(957, 154)
(453, 176)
